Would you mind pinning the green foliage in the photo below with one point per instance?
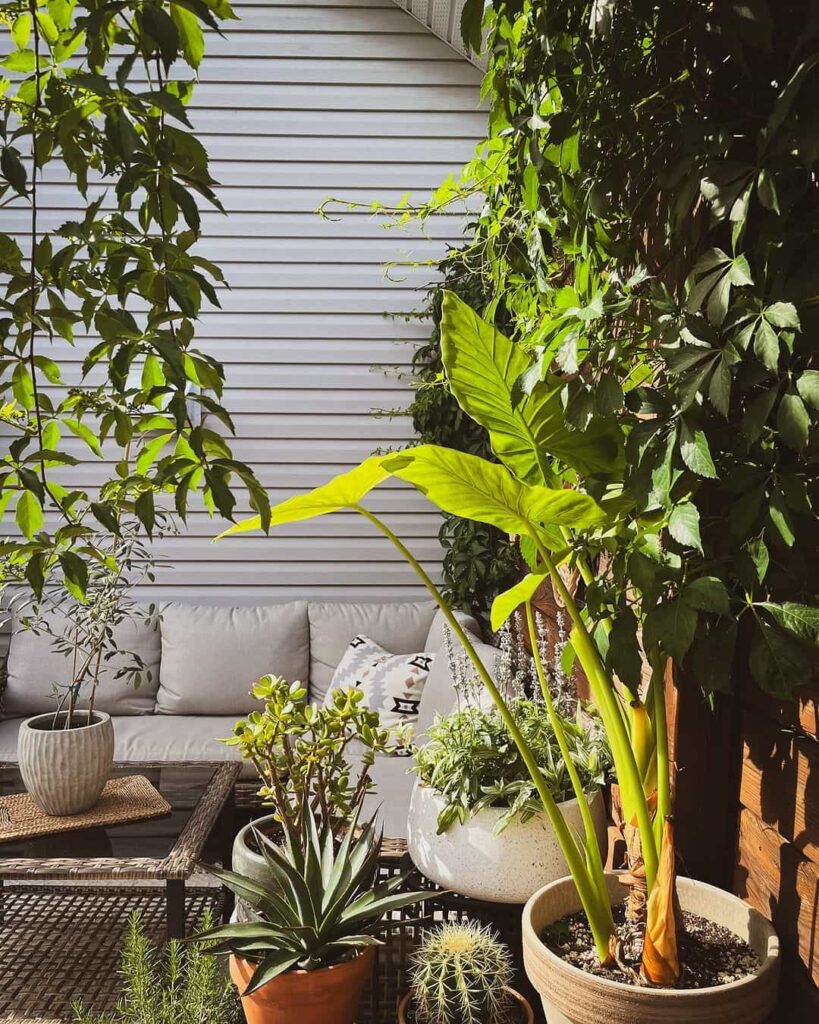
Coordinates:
(324, 905)
(300, 750)
(479, 560)
(176, 985)
(471, 761)
(460, 975)
(89, 90)
(650, 229)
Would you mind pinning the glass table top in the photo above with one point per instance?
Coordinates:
(181, 785)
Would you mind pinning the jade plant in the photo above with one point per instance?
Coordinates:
(300, 751)
(558, 521)
(460, 975)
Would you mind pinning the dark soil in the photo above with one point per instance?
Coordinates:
(710, 954)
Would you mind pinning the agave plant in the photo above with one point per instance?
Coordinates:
(323, 906)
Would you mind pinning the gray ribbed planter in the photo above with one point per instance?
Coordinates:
(65, 770)
(571, 996)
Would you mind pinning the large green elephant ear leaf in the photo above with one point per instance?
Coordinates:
(344, 491)
(483, 368)
(473, 488)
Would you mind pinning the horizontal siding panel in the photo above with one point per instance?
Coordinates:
(231, 594)
(264, 224)
(281, 351)
(293, 574)
(319, 124)
(331, 19)
(256, 148)
(310, 69)
(419, 97)
(411, 46)
(414, 527)
(276, 547)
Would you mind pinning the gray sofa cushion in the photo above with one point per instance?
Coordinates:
(34, 666)
(178, 738)
(212, 655)
(435, 637)
(399, 627)
(439, 694)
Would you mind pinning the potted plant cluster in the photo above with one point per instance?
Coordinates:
(476, 823)
(301, 753)
(65, 755)
(483, 368)
(308, 950)
(461, 974)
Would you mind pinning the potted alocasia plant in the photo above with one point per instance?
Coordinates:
(301, 754)
(633, 967)
(308, 951)
(65, 755)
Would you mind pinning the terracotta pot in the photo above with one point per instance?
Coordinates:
(472, 860)
(329, 995)
(571, 996)
(65, 770)
(526, 1014)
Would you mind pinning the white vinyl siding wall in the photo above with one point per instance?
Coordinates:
(301, 101)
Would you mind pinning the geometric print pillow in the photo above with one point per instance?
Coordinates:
(392, 683)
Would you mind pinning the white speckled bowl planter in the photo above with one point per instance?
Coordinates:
(505, 868)
(571, 996)
(65, 770)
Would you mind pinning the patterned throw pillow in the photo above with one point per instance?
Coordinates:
(392, 683)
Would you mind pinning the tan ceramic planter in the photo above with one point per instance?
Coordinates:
(570, 996)
(525, 1012)
(329, 995)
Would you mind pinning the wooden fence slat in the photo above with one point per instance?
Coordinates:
(780, 781)
(783, 885)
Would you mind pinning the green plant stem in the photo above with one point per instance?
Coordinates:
(661, 743)
(597, 911)
(593, 858)
(603, 690)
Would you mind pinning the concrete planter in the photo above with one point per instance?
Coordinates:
(65, 770)
(570, 996)
(245, 860)
(505, 868)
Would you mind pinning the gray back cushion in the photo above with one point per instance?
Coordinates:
(212, 655)
(439, 694)
(400, 627)
(435, 637)
(34, 667)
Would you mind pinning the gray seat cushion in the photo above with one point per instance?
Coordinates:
(400, 628)
(212, 655)
(34, 667)
(154, 738)
(393, 789)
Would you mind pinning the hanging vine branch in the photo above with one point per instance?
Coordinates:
(120, 281)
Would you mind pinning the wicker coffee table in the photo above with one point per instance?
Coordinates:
(159, 849)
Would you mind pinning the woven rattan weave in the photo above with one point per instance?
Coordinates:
(130, 798)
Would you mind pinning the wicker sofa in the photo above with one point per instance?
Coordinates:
(203, 660)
